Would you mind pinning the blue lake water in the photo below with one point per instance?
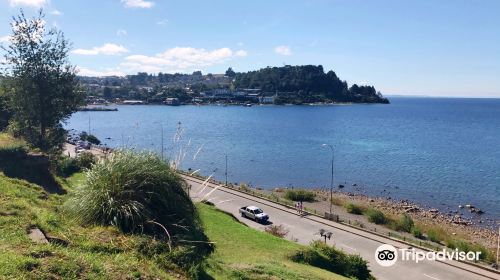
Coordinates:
(438, 152)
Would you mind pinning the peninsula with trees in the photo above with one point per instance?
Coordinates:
(304, 84)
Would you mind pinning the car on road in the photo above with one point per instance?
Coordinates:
(254, 213)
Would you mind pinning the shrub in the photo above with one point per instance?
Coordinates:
(416, 232)
(354, 209)
(329, 258)
(85, 160)
(130, 190)
(66, 166)
(84, 136)
(300, 195)
(376, 216)
(465, 246)
(433, 236)
(337, 201)
(244, 187)
(405, 223)
(278, 231)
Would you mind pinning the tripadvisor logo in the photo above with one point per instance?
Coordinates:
(387, 255)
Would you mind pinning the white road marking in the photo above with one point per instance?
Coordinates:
(222, 201)
(431, 277)
(341, 244)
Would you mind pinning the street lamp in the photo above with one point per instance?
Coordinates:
(225, 173)
(331, 183)
(498, 242)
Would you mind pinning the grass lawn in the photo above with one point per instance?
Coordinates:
(89, 253)
(245, 253)
(105, 253)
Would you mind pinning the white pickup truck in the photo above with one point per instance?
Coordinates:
(254, 213)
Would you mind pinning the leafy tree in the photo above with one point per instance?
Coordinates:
(107, 93)
(4, 110)
(43, 90)
(230, 72)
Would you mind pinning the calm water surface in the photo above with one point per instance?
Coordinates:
(438, 152)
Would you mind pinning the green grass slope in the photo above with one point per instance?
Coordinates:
(245, 253)
(77, 252)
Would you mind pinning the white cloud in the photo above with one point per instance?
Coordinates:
(106, 49)
(162, 22)
(5, 39)
(241, 53)
(121, 32)
(283, 50)
(56, 13)
(138, 4)
(178, 59)
(82, 71)
(31, 3)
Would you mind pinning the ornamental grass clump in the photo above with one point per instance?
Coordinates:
(136, 192)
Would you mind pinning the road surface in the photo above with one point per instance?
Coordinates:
(354, 241)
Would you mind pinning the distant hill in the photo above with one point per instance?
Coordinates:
(283, 85)
(306, 84)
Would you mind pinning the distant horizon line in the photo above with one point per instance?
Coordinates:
(439, 96)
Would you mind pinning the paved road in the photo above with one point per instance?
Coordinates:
(305, 229)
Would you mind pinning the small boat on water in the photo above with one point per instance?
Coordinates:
(248, 105)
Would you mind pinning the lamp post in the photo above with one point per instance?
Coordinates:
(498, 242)
(331, 182)
(225, 173)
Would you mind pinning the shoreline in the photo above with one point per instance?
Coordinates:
(103, 106)
(457, 225)
(454, 228)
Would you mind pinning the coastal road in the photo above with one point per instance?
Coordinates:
(354, 241)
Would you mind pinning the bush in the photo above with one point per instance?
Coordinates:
(140, 193)
(329, 258)
(416, 232)
(465, 246)
(66, 166)
(300, 195)
(84, 136)
(354, 209)
(405, 223)
(434, 236)
(86, 160)
(376, 216)
(278, 231)
(130, 190)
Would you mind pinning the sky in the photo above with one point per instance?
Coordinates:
(402, 47)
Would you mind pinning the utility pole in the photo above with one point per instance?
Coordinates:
(331, 182)
(498, 242)
(161, 125)
(226, 169)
